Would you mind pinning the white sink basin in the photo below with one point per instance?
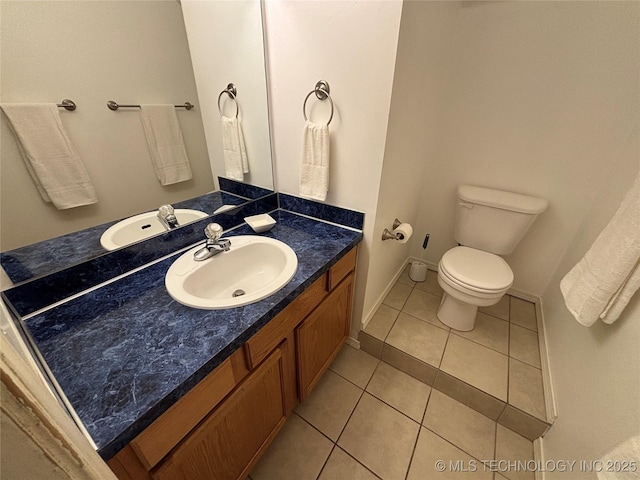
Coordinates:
(258, 266)
(146, 225)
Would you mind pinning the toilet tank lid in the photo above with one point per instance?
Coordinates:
(515, 202)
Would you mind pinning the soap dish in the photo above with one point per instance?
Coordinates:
(260, 223)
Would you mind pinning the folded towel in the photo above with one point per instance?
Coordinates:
(166, 146)
(314, 172)
(236, 163)
(602, 283)
(52, 162)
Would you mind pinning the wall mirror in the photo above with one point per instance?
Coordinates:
(131, 52)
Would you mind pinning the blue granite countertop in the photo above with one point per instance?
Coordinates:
(127, 351)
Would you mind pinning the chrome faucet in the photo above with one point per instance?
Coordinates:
(167, 217)
(214, 245)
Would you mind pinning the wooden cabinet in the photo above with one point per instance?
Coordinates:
(222, 426)
(230, 440)
(321, 335)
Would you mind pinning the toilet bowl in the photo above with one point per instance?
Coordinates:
(470, 279)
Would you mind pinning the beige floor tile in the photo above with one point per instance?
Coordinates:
(432, 448)
(330, 404)
(297, 453)
(424, 306)
(499, 477)
(523, 345)
(499, 310)
(525, 388)
(523, 313)
(380, 437)
(405, 279)
(397, 296)
(512, 447)
(380, 324)
(476, 365)
(341, 466)
(355, 365)
(410, 365)
(418, 339)
(401, 391)
(472, 397)
(464, 427)
(522, 423)
(430, 285)
(490, 332)
(370, 345)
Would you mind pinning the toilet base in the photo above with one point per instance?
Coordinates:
(456, 314)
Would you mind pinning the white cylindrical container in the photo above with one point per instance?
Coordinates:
(418, 271)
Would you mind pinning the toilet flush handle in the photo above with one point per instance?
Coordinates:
(466, 205)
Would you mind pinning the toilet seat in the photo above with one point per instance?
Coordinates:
(475, 270)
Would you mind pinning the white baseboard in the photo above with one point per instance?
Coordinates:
(538, 456)
(367, 318)
(547, 381)
(353, 342)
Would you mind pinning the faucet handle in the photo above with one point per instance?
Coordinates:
(165, 210)
(213, 231)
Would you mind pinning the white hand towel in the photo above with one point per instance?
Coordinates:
(602, 283)
(314, 172)
(51, 159)
(166, 146)
(236, 163)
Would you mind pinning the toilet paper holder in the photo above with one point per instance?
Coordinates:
(387, 235)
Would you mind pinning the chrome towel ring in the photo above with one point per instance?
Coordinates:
(322, 93)
(233, 93)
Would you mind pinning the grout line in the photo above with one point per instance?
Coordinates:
(326, 460)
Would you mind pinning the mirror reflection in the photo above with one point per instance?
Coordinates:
(132, 52)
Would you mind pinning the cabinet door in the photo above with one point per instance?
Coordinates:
(321, 335)
(230, 440)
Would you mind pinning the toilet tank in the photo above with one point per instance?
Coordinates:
(494, 220)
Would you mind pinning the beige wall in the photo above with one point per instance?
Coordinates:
(595, 370)
(537, 98)
(91, 52)
(351, 45)
(236, 29)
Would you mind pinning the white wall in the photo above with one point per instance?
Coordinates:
(226, 46)
(595, 370)
(351, 45)
(424, 52)
(91, 52)
(539, 97)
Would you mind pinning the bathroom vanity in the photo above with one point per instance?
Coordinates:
(167, 391)
(220, 428)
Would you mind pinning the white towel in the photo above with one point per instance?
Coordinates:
(166, 146)
(50, 158)
(314, 172)
(602, 283)
(236, 163)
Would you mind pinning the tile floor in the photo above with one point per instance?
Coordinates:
(494, 369)
(368, 420)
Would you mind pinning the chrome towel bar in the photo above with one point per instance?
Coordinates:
(114, 106)
(67, 104)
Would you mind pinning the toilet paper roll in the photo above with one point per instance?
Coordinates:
(403, 232)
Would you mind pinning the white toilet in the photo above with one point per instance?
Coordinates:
(488, 223)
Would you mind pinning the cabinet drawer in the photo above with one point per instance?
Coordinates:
(174, 424)
(230, 440)
(269, 336)
(341, 269)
